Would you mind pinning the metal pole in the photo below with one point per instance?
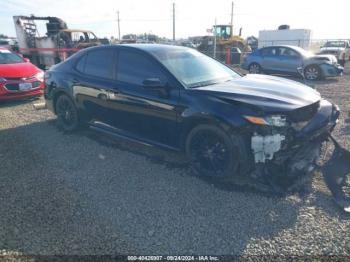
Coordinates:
(214, 55)
(173, 22)
(118, 25)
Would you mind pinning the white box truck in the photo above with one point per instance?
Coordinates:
(295, 37)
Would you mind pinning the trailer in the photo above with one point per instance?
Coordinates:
(285, 36)
(56, 45)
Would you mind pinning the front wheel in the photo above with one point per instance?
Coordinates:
(211, 152)
(312, 72)
(67, 113)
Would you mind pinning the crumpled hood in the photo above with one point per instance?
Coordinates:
(18, 70)
(322, 58)
(268, 92)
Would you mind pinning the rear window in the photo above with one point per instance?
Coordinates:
(256, 52)
(98, 63)
(272, 51)
(81, 64)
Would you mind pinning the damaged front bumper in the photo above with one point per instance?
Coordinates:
(285, 160)
(329, 70)
(278, 143)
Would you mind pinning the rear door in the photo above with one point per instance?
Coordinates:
(94, 82)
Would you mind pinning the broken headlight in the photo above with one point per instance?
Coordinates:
(272, 120)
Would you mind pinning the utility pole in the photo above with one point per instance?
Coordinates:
(174, 22)
(232, 19)
(214, 49)
(118, 20)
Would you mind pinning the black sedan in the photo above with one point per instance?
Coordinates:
(261, 126)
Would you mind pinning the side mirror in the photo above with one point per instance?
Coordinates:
(27, 60)
(156, 84)
(153, 83)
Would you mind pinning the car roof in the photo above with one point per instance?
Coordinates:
(148, 48)
(295, 48)
(151, 48)
(290, 46)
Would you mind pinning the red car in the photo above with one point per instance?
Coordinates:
(18, 77)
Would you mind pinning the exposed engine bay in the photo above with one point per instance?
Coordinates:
(286, 153)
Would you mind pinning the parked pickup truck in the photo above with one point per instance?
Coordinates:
(339, 48)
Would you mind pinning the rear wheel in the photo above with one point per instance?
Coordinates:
(255, 68)
(312, 72)
(211, 152)
(67, 113)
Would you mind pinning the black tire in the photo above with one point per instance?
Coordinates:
(67, 113)
(211, 152)
(255, 68)
(312, 72)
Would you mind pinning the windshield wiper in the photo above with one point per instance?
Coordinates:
(201, 84)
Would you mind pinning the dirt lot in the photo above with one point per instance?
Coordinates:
(84, 193)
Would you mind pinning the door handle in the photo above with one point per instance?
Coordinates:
(108, 95)
(75, 81)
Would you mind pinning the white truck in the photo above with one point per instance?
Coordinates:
(295, 37)
(338, 48)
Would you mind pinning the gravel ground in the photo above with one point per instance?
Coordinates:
(85, 193)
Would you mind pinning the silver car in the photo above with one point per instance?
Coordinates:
(289, 60)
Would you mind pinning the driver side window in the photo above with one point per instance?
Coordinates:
(133, 68)
(289, 53)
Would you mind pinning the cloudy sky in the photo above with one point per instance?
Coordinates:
(326, 19)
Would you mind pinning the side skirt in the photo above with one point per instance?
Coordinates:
(118, 133)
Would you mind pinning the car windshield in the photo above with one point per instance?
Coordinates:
(335, 44)
(194, 69)
(6, 57)
(303, 52)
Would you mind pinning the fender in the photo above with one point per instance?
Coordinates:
(189, 119)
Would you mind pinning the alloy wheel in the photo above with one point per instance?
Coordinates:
(209, 153)
(254, 69)
(312, 73)
(66, 112)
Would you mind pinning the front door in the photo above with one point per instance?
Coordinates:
(142, 111)
(289, 59)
